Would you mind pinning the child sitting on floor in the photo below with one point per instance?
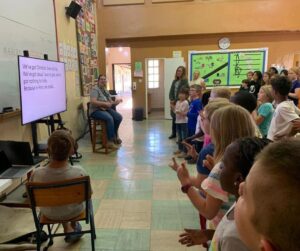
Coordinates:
(60, 147)
(267, 212)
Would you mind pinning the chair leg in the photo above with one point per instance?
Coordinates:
(94, 134)
(50, 242)
(38, 238)
(104, 137)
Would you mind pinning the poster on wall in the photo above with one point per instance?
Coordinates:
(227, 68)
(138, 70)
(87, 45)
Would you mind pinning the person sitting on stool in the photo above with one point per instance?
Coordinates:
(101, 105)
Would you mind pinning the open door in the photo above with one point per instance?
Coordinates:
(170, 66)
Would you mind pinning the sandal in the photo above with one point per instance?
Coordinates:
(74, 237)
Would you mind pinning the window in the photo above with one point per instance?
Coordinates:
(153, 73)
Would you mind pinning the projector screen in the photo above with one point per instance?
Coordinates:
(42, 88)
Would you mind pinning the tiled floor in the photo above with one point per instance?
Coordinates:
(137, 200)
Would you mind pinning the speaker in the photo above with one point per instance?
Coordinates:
(73, 9)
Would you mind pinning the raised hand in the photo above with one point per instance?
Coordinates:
(183, 174)
(209, 162)
(193, 237)
(174, 164)
(191, 150)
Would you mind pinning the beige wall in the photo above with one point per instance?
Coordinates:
(156, 30)
(199, 17)
(282, 46)
(66, 33)
(11, 129)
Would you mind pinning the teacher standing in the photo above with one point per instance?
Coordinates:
(180, 82)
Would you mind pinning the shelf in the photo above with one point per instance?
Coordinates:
(8, 115)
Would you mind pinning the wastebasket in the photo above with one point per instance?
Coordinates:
(138, 114)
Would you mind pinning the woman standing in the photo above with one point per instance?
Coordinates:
(180, 82)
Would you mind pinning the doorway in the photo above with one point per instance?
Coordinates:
(118, 72)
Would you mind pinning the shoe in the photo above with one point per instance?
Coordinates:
(172, 136)
(112, 145)
(177, 152)
(75, 237)
(118, 141)
(182, 155)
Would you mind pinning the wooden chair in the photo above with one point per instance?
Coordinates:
(53, 194)
(98, 127)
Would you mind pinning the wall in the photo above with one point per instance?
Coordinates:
(11, 129)
(282, 46)
(199, 17)
(66, 33)
(155, 30)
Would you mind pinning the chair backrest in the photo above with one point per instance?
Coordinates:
(52, 194)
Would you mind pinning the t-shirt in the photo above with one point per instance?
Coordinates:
(265, 110)
(212, 186)
(207, 150)
(226, 237)
(281, 125)
(48, 174)
(176, 86)
(100, 94)
(254, 88)
(207, 140)
(195, 107)
(181, 106)
(198, 125)
(295, 85)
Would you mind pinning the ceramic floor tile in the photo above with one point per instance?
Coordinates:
(136, 220)
(112, 204)
(168, 240)
(138, 205)
(167, 190)
(133, 240)
(106, 240)
(99, 187)
(134, 173)
(166, 221)
(108, 218)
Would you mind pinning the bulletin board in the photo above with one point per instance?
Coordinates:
(228, 67)
(87, 45)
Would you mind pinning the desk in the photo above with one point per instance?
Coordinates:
(14, 193)
(15, 198)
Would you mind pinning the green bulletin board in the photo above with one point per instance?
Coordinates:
(226, 68)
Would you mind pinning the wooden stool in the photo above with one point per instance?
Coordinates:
(98, 128)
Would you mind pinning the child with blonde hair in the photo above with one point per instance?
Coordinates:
(227, 124)
(60, 147)
(265, 110)
(220, 92)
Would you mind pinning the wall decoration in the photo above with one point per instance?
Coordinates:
(87, 45)
(227, 67)
(122, 2)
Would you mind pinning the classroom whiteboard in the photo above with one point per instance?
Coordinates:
(228, 67)
(24, 25)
